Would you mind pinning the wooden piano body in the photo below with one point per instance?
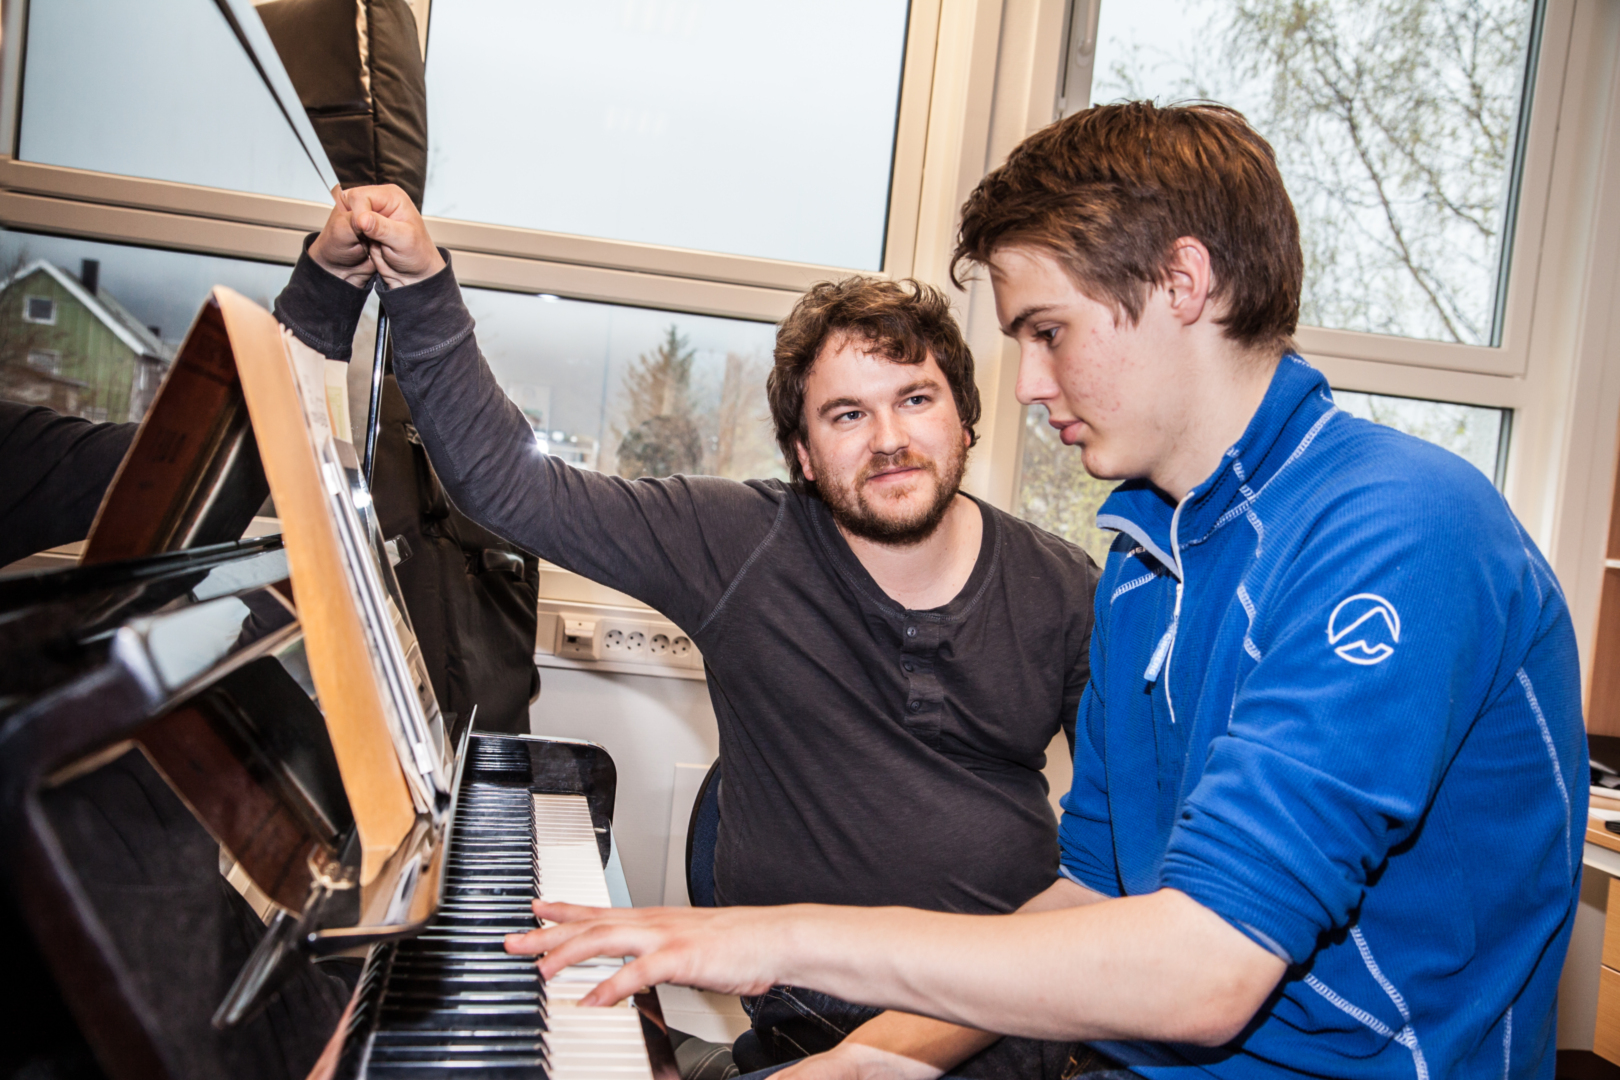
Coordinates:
(271, 683)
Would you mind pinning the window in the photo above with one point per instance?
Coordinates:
(634, 391)
(148, 299)
(666, 168)
(46, 360)
(686, 123)
(1056, 493)
(121, 88)
(40, 309)
(1398, 129)
(1415, 139)
(100, 97)
(1475, 433)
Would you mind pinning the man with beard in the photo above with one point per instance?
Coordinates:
(888, 658)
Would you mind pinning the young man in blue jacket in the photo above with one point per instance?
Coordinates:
(1330, 773)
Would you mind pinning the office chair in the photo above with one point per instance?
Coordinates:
(701, 833)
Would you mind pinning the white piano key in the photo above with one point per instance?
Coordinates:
(582, 1043)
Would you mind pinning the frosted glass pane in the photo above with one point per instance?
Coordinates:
(1396, 127)
(739, 126)
(157, 91)
(634, 391)
(1056, 493)
(1476, 433)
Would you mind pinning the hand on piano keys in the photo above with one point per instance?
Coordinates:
(735, 950)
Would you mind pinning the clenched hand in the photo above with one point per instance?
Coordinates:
(376, 230)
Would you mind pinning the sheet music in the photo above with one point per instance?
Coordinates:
(412, 710)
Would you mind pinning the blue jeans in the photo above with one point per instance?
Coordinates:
(790, 1022)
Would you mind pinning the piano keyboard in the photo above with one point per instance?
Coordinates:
(451, 1002)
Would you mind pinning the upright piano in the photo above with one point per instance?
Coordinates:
(268, 690)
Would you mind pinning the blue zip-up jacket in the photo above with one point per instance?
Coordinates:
(1335, 699)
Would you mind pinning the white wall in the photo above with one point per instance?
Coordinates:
(648, 724)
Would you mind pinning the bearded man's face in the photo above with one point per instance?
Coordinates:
(884, 443)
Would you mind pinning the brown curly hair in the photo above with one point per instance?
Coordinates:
(904, 321)
(1109, 190)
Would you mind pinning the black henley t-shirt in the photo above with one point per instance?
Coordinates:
(873, 754)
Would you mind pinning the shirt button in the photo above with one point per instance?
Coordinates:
(915, 706)
(907, 664)
(911, 631)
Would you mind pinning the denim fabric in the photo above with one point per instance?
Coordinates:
(791, 1022)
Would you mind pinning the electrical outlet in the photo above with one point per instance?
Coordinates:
(579, 640)
(574, 633)
(624, 640)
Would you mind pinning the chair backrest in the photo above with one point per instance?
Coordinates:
(701, 833)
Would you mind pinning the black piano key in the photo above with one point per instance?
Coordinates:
(452, 1001)
(489, 1045)
(484, 1070)
(493, 1065)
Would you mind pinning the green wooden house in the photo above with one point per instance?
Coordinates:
(66, 343)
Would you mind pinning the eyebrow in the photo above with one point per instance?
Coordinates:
(839, 403)
(855, 403)
(1024, 316)
(920, 384)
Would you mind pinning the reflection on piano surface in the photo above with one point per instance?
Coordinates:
(272, 684)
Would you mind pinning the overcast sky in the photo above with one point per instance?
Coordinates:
(730, 125)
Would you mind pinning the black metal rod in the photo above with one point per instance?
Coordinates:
(374, 413)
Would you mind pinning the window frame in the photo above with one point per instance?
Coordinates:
(28, 310)
(187, 217)
(1499, 376)
(52, 358)
(1550, 45)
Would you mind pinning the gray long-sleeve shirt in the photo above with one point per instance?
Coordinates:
(872, 754)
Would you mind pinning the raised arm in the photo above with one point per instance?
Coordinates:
(674, 543)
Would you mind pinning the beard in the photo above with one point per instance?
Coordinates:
(856, 515)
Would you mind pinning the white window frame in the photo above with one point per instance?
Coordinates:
(52, 358)
(27, 312)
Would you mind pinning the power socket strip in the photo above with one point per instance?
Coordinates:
(607, 639)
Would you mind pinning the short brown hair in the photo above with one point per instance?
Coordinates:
(903, 321)
(1109, 190)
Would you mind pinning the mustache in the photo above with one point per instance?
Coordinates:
(900, 459)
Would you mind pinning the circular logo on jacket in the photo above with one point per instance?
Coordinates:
(1364, 629)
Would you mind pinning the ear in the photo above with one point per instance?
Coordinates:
(1189, 279)
(804, 460)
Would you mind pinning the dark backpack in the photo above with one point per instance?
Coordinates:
(471, 595)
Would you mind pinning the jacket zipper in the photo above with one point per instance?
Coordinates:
(1175, 618)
